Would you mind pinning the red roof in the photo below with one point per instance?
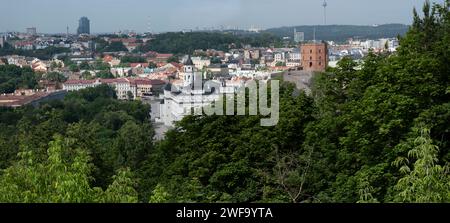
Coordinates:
(142, 81)
(107, 58)
(151, 53)
(161, 64)
(118, 80)
(164, 55)
(16, 100)
(136, 64)
(79, 82)
(129, 40)
(24, 43)
(108, 81)
(122, 80)
(177, 65)
(114, 80)
(133, 44)
(157, 82)
(123, 40)
(104, 81)
(115, 40)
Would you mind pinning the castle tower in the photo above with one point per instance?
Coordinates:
(314, 56)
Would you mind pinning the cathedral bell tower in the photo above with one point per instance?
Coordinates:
(189, 75)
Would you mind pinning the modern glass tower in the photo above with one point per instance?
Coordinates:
(84, 26)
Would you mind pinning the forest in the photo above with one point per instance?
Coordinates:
(43, 54)
(186, 43)
(82, 149)
(378, 134)
(13, 77)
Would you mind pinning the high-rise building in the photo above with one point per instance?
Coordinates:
(314, 56)
(299, 36)
(31, 31)
(84, 26)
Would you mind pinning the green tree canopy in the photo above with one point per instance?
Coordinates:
(60, 178)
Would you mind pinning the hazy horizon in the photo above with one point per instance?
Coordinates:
(107, 16)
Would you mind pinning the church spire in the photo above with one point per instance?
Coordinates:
(189, 72)
(189, 61)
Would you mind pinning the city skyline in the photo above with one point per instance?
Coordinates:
(175, 15)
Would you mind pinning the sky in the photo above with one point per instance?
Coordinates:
(53, 16)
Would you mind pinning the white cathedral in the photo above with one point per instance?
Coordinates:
(192, 94)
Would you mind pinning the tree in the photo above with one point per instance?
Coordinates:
(43, 54)
(89, 120)
(100, 44)
(152, 65)
(100, 65)
(160, 195)
(60, 178)
(74, 68)
(173, 59)
(130, 95)
(337, 144)
(85, 66)
(132, 59)
(54, 65)
(254, 61)
(291, 175)
(216, 60)
(115, 46)
(86, 75)
(122, 189)
(207, 74)
(13, 77)
(187, 43)
(132, 144)
(104, 74)
(425, 181)
(56, 77)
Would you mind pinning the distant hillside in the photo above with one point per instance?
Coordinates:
(186, 43)
(341, 33)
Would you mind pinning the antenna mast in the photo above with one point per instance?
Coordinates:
(148, 25)
(325, 4)
(314, 35)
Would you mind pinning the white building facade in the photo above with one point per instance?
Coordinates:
(191, 95)
(126, 89)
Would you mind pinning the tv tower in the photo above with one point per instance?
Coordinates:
(149, 30)
(325, 12)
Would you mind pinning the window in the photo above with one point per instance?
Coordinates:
(310, 51)
(310, 58)
(310, 64)
(320, 51)
(320, 63)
